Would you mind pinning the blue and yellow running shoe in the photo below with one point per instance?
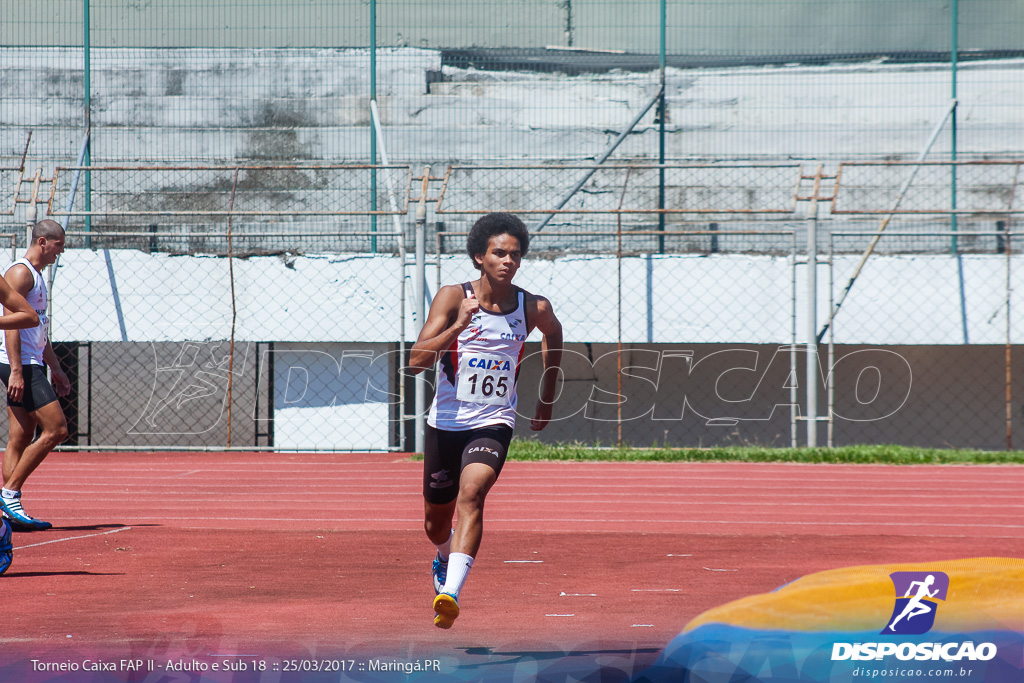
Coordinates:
(440, 573)
(6, 547)
(17, 516)
(446, 609)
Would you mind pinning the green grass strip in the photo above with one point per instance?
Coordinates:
(884, 454)
(887, 454)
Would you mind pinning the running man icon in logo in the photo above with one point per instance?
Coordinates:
(915, 614)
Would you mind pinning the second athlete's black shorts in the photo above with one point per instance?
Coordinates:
(447, 453)
(38, 390)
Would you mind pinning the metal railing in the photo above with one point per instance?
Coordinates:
(116, 302)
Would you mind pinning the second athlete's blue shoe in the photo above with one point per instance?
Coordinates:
(6, 547)
(17, 516)
(440, 573)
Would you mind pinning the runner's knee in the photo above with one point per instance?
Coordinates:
(55, 435)
(431, 524)
(437, 521)
(472, 494)
(19, 439)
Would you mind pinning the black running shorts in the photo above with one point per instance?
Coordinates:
(38, 390)
(447, 453)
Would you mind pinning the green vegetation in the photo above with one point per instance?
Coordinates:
(896, 455)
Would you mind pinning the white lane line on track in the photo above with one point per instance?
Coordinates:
(935, 507)
(559, 615)
(545, 520)
(720, 570)
(237, 514)
(579, 471)
(760, 522)
(513, 490)
(927, 515)
(961, 474)
(873, 497)
(321, 470)
(577, 595)
(848, 499)
(811, 489)
(74, 538)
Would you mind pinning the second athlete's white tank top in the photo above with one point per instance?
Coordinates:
(33, 341)
(476, 382)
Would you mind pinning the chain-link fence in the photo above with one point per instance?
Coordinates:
(242, 210)
(485, 81)
(701, 345)
(239, 182)
(902, 371)
(694, 333)
(940, 328)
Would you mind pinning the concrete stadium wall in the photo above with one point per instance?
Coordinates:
(922, 395)
(127, 295)
(723, 28)
(313, 105)
(713, 372)
(694, 395)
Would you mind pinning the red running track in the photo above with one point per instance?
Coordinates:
(191, 556)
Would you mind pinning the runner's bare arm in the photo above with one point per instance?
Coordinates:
(551, 356)
(18, 315)
(20, 280)
(449, 315)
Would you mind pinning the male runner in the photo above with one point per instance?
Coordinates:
(31, 400)
(17, 315)
(477, 330)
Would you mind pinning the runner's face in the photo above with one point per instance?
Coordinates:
(51, 249)
(502, 259)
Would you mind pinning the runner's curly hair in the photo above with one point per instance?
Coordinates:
(498, 223)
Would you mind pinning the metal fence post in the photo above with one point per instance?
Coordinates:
(661, 135)
(373, 136)
(812, 318)
(420, 308)
(955, 39)
(87, 160)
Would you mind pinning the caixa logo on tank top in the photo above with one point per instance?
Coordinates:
(501, 364)
(476, 334)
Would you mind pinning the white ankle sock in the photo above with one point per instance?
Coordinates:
(459, 565)
(445, 549)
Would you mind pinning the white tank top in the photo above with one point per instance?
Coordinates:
(476, 384)
(33, 340)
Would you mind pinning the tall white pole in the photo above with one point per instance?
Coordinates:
(400, 236)
(420, 309)
(812, 318)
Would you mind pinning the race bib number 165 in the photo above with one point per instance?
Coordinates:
(485, 379)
